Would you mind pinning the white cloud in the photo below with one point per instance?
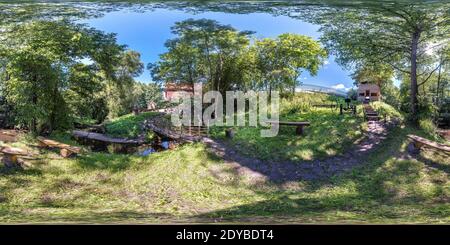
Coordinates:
(340, 86)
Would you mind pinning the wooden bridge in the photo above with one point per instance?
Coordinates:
(163, 127)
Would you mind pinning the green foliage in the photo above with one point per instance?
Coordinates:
(148, 96)
(188, 184)
(120, 90)
(129, 125)
(391, 94)
(329, 133)
(45, 79)
(388, 110)
(225, 59)
(203, 50)
(302, 102)
(428, 126)
(397, 35)
(281, 61)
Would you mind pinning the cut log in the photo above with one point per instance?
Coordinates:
(65, 149)
(10, 155)
(78, 134)
(419, 142)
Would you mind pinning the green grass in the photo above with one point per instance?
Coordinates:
(328, 135)
(190, 185)
(128, 125)
(386, 109)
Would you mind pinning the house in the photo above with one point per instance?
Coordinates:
(368, 91)
(175, 90)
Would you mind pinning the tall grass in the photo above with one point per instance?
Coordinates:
(128, 125)
(302, 102)
(387, 110)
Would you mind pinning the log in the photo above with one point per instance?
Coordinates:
(10, 155)
(419, 142)
(65, 149)
(78, 134)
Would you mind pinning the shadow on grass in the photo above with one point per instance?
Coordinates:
(382, 187)
(329, 134)
(434, 164)
(88, 217)
(111, 162)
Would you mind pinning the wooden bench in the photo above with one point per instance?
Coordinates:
(65, 150)
(11, 154)
(299, 125)
(324, 105)
(418, 142)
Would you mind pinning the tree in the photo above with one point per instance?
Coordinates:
(203, 50)
(373, 73)
(395, 34)
(43, 67)
(148, 95)
(282, 60)
(120, 88)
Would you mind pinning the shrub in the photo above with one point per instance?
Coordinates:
(428, 127)
(388, 110)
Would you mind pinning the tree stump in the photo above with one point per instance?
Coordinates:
(229, 133)
(10, 160)
(413, 149)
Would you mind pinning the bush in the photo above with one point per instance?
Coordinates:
(128, 125)
(428, 127)
(387, 110)
(302, 102)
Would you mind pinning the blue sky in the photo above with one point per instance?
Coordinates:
(147, 32)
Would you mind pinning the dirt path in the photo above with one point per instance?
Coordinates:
(286, 171)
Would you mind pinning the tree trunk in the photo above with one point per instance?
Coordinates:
(438, 87)
(414, 102)
(33, 126)
(270, 92)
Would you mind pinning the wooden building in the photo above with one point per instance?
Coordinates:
(368, 91)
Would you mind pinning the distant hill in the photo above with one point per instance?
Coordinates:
(320, 89)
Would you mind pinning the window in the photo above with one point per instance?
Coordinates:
(361, 94)
(373, 94)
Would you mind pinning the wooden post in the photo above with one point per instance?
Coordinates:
(299, 130)
(340, 109)
(229, 133)
(10, 160)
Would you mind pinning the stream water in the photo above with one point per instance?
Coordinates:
(157, 146)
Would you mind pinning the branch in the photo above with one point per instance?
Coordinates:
(429, 75)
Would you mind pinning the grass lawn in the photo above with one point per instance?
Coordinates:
(190, 185)
(328, 135)
(128, 126)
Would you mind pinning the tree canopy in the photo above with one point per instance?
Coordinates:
(404, 36)
(46, 73)
(226, 59)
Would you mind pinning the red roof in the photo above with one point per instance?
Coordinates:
(188, 87)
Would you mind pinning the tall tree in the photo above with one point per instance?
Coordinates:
(397, 34)
(281, 61)
(41, 59)
(203, 50)
(119, 89)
